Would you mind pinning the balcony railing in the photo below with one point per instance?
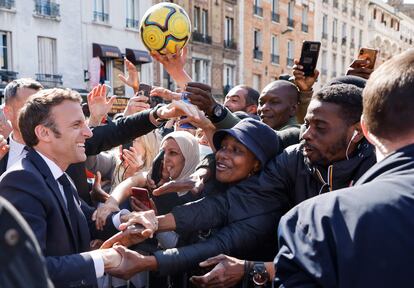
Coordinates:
(275, 58)
(289, 62)
(100, 16)
(290, 22)
(7, 4)
(344, 8)
(45, 8)
(257, 54)
(132, 23)
(325, 36)
(200, 37)
(275, 17)
(49, 80)
(6, 76)
(305, 28)
(334, 39)
(335, 4)
(343, 41)
(257, 10)
(230, 44)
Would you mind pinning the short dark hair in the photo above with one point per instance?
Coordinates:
(347, 96)
(10, 91)
(37, 109)
(252, 97)
(389, 97)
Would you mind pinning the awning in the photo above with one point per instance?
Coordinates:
(106, 51)
(138, 56)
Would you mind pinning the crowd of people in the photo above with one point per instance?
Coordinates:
(286, 187)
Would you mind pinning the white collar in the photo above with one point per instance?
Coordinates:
(17, 147)
(54, 168)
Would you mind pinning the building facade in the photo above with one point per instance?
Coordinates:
(272, 33)
(72, 44)
(341, 29)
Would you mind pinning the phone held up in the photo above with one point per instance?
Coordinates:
(145, 90)
(309, 56)
(142, 195)
(368, 54)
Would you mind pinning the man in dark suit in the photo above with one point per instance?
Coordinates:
(53, 126)
(104, 137)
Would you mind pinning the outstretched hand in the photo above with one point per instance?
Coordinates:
(227, 272)
(99, 104)
(133, 76)
(303, 82)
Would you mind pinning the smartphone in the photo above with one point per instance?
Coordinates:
(184, 97)
(144, 90)
(156, 170)
(368, 54)
(309, 56)
(142, 195)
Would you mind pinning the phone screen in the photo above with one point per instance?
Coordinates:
(142, 195)
(368, 54)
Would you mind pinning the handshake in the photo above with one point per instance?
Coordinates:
(122, 262)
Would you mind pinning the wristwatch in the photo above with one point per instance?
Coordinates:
(259, 274)
(155, 114)
(217, 113)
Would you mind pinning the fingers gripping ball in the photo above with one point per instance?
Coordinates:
(164, 26)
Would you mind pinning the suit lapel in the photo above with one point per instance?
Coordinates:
(41, 165)
(3, 163)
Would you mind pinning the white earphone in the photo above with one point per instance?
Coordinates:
(354, 135)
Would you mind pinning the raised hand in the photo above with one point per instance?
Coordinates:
(174, 64)
(132, 161)
(303, 82)
(178, 108)
(133, 76)
(97, 193)
(136, 104)
(165, 94)
(200, 95)
(99, 105)
(228, 271)
(4, 147)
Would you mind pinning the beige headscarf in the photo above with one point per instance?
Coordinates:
(189, 148)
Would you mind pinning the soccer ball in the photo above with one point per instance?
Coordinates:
(164, 26)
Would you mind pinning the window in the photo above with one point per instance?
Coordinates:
(197, 18)
(344, 30)
(352, 36)
(274, 46)
(132, 13)
(47, 8)
(275, 6)
(290, 52)
(228, 77)
(204, 22)
(305, 15)
(375, 14)
(335, 29)
(201, 70)
(257, 48)
(100, 12)
(291, 11)
(324, 63)
(343, 65)
(334, 65)
(47, 62)
(325, 26)
(5, 51)
(228, 32)
(257, 40)
(360, 38)
(257, 82)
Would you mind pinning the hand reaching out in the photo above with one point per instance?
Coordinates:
(99, 105)
(133, 76)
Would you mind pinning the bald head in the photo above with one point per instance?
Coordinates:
(277, 103)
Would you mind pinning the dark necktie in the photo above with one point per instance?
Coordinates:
(69, 192)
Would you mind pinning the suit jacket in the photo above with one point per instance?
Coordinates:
(104, 138)
(30, 186)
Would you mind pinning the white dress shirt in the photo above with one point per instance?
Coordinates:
(16, 151)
